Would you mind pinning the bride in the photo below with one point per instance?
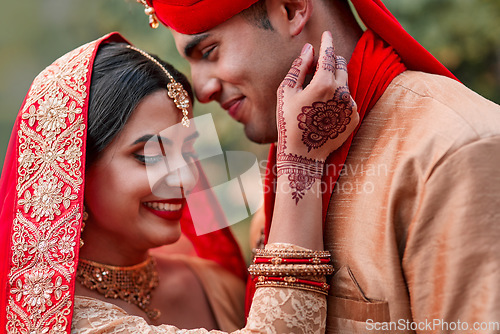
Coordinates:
(80, 221)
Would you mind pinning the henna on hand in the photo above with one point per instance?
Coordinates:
(329, 60)
(317, 124)
(340, 63)
(323, 121)
(302, 173)
(292, 75)
(289, 81)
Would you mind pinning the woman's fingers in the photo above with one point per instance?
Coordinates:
(341, 70)
(325, 71)
(330, 67)
(297, 73)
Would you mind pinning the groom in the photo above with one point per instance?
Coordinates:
(412, 200)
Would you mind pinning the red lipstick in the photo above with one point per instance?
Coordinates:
(169, 209)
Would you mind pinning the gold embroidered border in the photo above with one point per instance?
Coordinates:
(46, 228)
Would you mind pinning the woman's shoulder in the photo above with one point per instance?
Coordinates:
(202, 268)
(225, 292)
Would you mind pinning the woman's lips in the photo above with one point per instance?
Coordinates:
(167, 209)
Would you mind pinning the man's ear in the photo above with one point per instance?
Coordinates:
(292, 14)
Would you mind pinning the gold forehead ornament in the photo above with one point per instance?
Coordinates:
(175, 90)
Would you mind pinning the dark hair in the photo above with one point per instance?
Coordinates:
(257, 14)
(121, 78)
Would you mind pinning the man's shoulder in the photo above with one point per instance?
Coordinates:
(440, 104)
(423, 119)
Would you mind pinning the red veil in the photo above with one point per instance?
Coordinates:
(41, 194)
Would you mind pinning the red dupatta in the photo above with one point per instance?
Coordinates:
(41, 195)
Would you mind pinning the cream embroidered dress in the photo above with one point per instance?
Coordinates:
(274, 310)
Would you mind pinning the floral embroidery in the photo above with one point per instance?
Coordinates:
(46, 198)
(67, 75)
(40, 156)
(37, 289)
(52, 114)
(67, 244)
(49, 177)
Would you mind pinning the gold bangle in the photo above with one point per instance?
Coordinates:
(290, 254)
(291, 269)
(298, 286)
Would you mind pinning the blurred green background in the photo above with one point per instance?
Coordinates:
(463, 34)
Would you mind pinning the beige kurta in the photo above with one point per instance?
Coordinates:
(414, 222)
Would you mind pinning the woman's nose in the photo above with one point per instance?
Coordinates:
(184, 177)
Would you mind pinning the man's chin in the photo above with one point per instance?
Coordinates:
(260, 136)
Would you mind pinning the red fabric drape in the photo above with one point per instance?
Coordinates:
(22, 252)
(380, 20)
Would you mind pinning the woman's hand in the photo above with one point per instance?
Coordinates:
(316, 120)
(313, 121)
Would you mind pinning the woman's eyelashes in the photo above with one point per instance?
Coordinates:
(150, 160)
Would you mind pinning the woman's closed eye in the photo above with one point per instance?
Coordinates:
(148, 160)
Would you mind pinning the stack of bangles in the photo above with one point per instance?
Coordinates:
(304, 269)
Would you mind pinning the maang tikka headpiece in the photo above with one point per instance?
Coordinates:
(175, 89)
(153, 20)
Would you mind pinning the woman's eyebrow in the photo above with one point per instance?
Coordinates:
(194, 135)
(148, 137)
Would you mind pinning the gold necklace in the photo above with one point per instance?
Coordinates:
(132, 284)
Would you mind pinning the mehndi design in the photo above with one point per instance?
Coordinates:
(322, 121)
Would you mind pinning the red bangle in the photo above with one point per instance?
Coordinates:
(291, 279)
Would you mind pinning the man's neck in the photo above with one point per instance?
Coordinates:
(340, 20)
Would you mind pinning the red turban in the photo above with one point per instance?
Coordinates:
(196, 16)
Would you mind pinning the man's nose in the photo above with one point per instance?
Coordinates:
(207, 86)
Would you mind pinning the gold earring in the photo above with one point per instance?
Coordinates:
(85, 216)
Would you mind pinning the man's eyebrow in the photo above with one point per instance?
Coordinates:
(193, 43)
(146, 138)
